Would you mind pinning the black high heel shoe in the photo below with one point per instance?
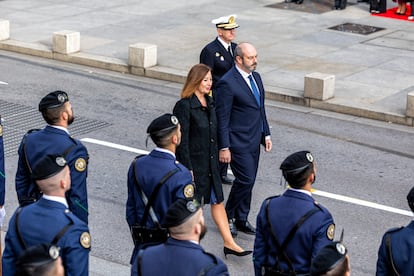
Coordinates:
(228, 251)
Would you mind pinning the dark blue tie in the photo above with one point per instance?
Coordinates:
(255, 90)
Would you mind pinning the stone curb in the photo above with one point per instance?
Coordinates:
(179, 76)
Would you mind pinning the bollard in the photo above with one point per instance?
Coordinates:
(66, 42)
(4, 29)
(319, 86)
(142, 55)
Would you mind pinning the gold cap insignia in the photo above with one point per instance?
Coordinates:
(330, 232)
(189, 191)
(85, 240)
(80, 164)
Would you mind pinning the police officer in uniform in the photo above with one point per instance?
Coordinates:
(292, 227)
(54, 139)
(49, 221)
(160, 165)
(396, 253)
(219, 56)
(181, 254)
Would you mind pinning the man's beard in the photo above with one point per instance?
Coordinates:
(203, 231)
(71, 119)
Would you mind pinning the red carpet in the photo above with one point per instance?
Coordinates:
(391, 13)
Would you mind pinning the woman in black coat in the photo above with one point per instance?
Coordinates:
(198, 150)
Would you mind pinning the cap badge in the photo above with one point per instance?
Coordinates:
(231, 20)
(61, 98)
(60, 161)
(54, 252)
(174, 120)
(191, 206)
(340, 248)
(309, 157)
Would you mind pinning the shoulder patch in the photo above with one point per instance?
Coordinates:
(80, 164)
(85, 240)
(330, 232)
(189, 191)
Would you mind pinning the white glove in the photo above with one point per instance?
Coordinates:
(2, 215)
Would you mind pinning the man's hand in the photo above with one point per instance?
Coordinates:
(268, 145)
(224, 156)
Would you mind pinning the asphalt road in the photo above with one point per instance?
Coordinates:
(356, 158)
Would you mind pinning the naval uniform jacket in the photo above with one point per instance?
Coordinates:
(284, 212)
(40, 222)
(150, 169)
(402, 250)
(51, 140)
(198, 149)
(178, 257)
(218, 59)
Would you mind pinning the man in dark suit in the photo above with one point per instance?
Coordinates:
(242, 126)
(395, 255)
(218, 55)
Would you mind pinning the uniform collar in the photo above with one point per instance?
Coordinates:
(301, 191)
(61, 128)
(225, 45)
(57, 199)
(165, 151)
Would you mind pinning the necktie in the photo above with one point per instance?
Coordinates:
(229, 50)
(255, 90)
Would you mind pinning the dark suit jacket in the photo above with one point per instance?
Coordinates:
(241, 123)
(198, 148)
(218, 59)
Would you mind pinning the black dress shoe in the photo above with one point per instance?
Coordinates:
(228, 251)
(233, 228)
(226, 180)
(246, 227)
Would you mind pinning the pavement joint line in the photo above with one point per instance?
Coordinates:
(347, 199)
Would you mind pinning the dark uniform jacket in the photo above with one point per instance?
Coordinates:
(284, 212)
(176, 257)
(402, 251)
(51, 140)
(39, 223)
(218, 59)
(150, 170)
(198, 149)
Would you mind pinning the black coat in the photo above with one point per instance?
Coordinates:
(198, 150)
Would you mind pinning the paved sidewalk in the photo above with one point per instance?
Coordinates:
(373, 72)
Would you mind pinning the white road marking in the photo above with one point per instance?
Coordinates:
(316, 192)
(112, 145)
(2, 82)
